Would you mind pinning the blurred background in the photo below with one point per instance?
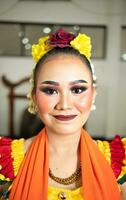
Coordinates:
(22, 22)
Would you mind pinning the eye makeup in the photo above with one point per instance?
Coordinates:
(48, 90)
(78, 89)
(51, 87)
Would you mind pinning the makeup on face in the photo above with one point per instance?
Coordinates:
(51, 87)
(64, 94)
(57, 84)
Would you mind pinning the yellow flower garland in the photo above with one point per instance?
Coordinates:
(3, 178)
(105, 149)
(17, 154)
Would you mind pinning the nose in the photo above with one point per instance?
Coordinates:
(64, 102)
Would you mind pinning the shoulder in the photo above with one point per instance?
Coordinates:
(115, 153)
(11, 155)
(27, 143)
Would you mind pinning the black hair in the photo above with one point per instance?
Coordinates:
(59, 51)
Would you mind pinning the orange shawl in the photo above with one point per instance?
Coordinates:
(98, 180)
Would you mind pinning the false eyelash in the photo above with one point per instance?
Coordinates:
(82, 88)
(48, 90)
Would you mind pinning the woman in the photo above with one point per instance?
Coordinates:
(62, 161)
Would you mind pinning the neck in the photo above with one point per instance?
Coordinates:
(61, 144)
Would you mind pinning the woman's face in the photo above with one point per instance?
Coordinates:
(64, 93)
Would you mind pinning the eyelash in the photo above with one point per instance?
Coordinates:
(49, 91)
(78, 90)
(74, 90)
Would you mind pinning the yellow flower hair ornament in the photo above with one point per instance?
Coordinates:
(40, 49)
(82, 43)
(62, 39)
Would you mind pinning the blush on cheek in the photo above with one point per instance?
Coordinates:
(85, 102)
(44, 102)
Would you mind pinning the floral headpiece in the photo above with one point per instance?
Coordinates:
(61, 39)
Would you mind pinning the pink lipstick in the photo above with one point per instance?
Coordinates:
(65, 117)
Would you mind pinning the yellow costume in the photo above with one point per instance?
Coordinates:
(57, 194)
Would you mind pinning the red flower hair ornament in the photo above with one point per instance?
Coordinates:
(60, 39)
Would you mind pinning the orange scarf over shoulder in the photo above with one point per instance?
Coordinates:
(98, 180)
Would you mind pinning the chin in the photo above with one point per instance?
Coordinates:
(65, 129)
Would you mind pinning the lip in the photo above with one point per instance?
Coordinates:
(65, 117)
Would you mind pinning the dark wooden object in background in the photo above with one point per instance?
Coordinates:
(12, 97)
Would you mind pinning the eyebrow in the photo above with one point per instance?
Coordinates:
(78, 81)
(57, 84)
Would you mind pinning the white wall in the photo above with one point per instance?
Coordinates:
(109, 118)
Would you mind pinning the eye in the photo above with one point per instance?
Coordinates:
(78, 90)
(49, 91)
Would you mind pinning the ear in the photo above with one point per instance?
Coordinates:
(35, 103)
(94, 93)
(34, 98)
(93, 106)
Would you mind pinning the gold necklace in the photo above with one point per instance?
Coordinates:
(66, 181)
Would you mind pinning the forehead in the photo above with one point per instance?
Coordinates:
(64, 68)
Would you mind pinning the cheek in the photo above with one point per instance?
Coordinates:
(45, 103)
(85, 101)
